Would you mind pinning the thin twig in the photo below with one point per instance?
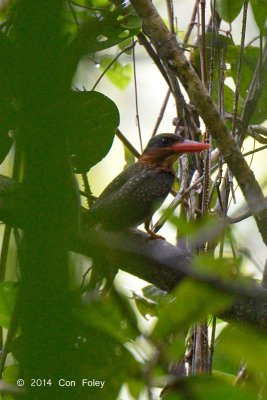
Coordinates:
(239, 67)
(202, 44)
(192, 23)
(88, 196)
(131, 46)
(253, 95)
(170, 14)
(252, 41)
(87, 7)
(136, 102)
(177, 94)
(127, 144)
(73, 13)
(87, 188)
(212, 343)
(151, 52)
(161, 113)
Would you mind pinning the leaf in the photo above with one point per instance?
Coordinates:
(91, 122)
(259, 8)
(228, 10)
(117, 73)
(240, 342)
(108, 316)
(149, 303)
(8, 293)
(250, 59)
(107, 29)
(11, 373)
(102, 358)
(135, 387)
(208, 388)
(261, 112)
(192, 302)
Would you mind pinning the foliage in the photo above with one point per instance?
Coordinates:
(104, 336)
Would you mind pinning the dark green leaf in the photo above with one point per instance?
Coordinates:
(111, 29)
(108, 316)
(8, 293)
(91, 122)
(228, 10)
(103, 358)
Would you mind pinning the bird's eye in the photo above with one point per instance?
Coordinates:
(165, 141)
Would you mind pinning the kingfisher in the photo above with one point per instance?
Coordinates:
(136, 193)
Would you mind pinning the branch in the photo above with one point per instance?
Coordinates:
(171, 54)
(155, 261)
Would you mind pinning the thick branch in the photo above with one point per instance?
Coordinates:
(155, 261)
(169, 51)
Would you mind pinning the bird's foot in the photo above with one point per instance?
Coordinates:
(154, 235)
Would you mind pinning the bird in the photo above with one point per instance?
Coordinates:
(136, 193)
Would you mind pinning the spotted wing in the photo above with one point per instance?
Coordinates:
(135, 200)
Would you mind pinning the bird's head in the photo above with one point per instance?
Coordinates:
(164, 149)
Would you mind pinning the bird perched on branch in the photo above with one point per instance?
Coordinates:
(135, 194)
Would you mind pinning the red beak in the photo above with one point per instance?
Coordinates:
(189, 146)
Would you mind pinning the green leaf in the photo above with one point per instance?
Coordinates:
(104, 359)
(208, 388)
(240, 342)
(128, 157)
(8, 293)
(228, 378)
(107, 315)
(135, 387)
(112, 28)
(192, 302)
(91, 122)
(11, 373)
(8, 120)
(223, 363)
(250, 59)
(149, 303)
(118, 74)
(176, 349)
(259, 8)
(228, 10)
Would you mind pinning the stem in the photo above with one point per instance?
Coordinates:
(161, 113)
(131, 46)
(89, 198)
(136, 102)
(212, 343)
(202, 45)
(239, 67)
(127, 144)
(192, 23)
